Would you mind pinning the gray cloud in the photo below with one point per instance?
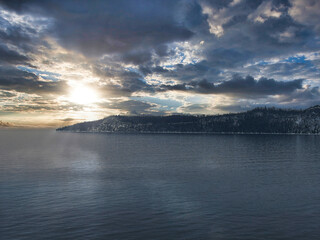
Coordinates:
(5, 94)
(247, 87)
(125, 88)
(287, 70)
(34, 106)
(26, 108)
(183, 73)
(12, 57)
(102, 27)
(140, 39)
(146, 27)
(299, 99)
(306, 12)
(132, 107)
(302, 98)
(18, 36)
(118, 82)
(245, 40)
(137, 56)
(242, 87)
(15, 79)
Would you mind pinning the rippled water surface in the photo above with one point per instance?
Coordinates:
(159, 186)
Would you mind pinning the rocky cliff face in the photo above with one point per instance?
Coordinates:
(259, 120)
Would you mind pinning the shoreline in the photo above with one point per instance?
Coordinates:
(196, 133)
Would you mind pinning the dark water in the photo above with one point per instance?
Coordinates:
(113, 186)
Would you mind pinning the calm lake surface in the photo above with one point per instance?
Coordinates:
(56, 185)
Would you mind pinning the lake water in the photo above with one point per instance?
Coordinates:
(57, 185)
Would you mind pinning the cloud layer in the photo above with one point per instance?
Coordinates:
(155, 57)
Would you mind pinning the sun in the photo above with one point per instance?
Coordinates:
(83, 95)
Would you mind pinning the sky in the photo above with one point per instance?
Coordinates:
(63, 62)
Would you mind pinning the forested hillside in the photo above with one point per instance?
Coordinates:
(259, 120)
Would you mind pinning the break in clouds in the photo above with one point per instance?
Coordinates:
(68, 61)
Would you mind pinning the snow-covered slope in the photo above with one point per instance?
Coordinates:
(259, 120)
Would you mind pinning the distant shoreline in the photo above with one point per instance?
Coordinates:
(191, 133)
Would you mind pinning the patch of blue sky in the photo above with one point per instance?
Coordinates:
(302, 60)
(135, 70)
(131, 69)
(263, 63)
(183, 57)
(296, 59)
(44, 74)
(178, 58)
(170, 66)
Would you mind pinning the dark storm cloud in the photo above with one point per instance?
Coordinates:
(184, 73)
(239, 86)
(99, 27)
(137, 56)
(22, 32)
(243, 41)
(247, 41)
(12, 57)
(133, 30)
(116, 81)
(131, 107)
(12, 78)
(16, 35)
(133, 82)
(227, 58)
(125, 88)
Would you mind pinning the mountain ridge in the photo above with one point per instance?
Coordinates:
(258, 120)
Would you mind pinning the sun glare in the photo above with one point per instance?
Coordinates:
(83, 95)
